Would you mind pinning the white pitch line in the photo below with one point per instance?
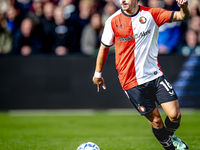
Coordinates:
(52, 112)
(87, 112)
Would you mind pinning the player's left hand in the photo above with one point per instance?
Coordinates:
(182, 3)
(99, 82)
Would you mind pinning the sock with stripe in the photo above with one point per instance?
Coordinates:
(171, 126)
(164, 138)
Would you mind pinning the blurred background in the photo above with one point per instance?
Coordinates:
(48, 51)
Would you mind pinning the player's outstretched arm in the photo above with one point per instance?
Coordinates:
(101, 59)
(184, 13)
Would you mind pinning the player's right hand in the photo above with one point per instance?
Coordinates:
(182, 3)
(99, 82)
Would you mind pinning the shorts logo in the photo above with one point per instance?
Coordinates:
(143, 20)
(172, 93)
(141, 108)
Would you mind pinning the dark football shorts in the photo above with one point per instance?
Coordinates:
(144, 97)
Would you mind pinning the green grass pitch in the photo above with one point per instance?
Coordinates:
(110, 130)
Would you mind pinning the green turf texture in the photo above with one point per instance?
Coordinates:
(109, 132)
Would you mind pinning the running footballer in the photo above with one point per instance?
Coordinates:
(134, 31)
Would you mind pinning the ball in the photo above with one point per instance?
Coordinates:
(88, 146)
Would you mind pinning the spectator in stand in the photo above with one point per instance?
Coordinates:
(109, 9)
(85, 7)
(12, 2)
(36, 12)
(96, 6)
(13, 19)
(191, 45)
(46, 1)
(167, 43)
(26, 41)
(24, 6)
(63, 34)
(82, 18)
(117, 3)
(4, 4)
(194, 24)
(69, 8)
(5, 38)
(141, 3)
(153, 3)
(47, 24)
(64, 3)
(55, 2)
(194, 8)
(91, 35)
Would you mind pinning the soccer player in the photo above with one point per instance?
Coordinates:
(134, 31)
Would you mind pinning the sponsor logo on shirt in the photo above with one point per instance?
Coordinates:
(136, 36)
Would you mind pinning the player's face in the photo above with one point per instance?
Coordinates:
(128, 5)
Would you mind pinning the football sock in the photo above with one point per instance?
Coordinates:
(164, 138)
(171, 126)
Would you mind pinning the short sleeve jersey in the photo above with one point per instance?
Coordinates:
(136, 49)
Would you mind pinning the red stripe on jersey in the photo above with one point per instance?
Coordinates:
(124, 54)
(159, 67)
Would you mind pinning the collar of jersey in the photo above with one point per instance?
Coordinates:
(131, 15)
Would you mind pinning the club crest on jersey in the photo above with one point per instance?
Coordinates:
(141, 108)
(143, 20)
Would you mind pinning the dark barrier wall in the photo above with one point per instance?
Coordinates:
(50, 82)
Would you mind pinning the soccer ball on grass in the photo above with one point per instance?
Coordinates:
(88, 146)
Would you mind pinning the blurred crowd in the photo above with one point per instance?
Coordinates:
(65, 27)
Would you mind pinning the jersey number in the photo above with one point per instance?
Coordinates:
(166, 84)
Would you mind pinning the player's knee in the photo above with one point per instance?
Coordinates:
(157, 122)
(175, 117)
